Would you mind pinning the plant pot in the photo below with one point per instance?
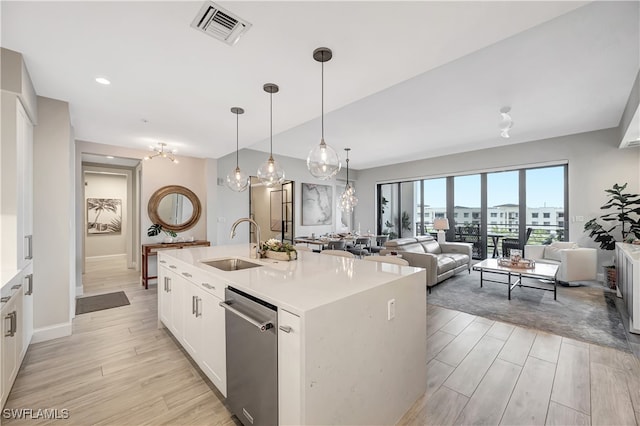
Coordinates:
(281, 255)
(610, 277)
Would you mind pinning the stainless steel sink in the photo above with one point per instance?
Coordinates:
(230, 264)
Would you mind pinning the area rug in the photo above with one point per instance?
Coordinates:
(586, 313)
(84, 305)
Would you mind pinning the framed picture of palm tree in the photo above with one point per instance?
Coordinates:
(104, 216)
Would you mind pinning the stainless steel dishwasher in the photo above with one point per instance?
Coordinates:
(252, 358)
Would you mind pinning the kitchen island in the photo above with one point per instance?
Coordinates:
(350, 334)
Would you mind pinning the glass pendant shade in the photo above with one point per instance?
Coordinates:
(237, 180)
(348, 199)
(323, 161)
(270, 173)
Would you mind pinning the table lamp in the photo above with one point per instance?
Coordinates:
(441, 224)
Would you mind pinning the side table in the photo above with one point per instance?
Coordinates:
(149, 250)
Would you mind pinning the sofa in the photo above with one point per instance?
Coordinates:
(441, 260)
(574, 263)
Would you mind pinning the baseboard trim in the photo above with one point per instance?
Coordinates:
(52, 332)
(106, 256)
(79, 291)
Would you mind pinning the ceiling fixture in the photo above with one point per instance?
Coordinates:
(348, 200)
(323, 161)
(506, 123)
(219, 23)
(270, 173)
(160, 152)
(102, 80)
(237, 180)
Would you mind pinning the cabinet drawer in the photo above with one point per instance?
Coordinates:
(206, 282)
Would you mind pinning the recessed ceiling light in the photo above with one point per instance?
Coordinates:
(110, 157)
(102, 80)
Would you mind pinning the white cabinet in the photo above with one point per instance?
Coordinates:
(628, 272)
(188, 305)
(289, 368)
(213, 351)
(12, 338)
(24, 151)
(170, 296)
(27, 306)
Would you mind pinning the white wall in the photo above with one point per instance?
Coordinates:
(101, 185)
(53, 220)
(233, 205)
(595, 164)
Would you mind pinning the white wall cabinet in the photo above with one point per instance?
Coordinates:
(188, 305)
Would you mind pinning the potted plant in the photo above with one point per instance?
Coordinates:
(156, 229)
(276, 249)
(620, 224)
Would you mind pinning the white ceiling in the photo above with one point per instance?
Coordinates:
(408, 80)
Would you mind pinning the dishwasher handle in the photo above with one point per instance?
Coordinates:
(262, 326)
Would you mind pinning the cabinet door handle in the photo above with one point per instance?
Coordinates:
(29, 291)
(29, 239)
(16, 287)
(193, 305)
(186, 274)
(8, 332)
(172, 266)
(14, 322)
(209, 286)
(168, 285)
(163, 261)
(285, 328)
(198, 307)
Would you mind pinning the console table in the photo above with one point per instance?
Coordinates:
(149, 250)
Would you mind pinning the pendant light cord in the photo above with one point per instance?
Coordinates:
(322, 97)
(237, 130)
(270, 124)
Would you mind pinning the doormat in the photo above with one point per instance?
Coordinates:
(84, 305)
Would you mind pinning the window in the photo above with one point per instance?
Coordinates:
(466, 215)
(547, 223)
(455, 214)
(546, 215)
(561, 223)
(534, 215)
(427, 214)
(439, 215)
(560, 214)
(494, 215)
(534, 222)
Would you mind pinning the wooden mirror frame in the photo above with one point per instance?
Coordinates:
(154, 202)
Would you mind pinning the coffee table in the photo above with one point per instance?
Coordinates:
(540, 270)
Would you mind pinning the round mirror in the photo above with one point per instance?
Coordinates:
(174, 207)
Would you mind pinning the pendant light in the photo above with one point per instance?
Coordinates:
(270, 173)
(348, 200)
(237, 180)
(323, 161)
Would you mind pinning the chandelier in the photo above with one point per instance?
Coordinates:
(323, 161)
(160, 152)
(237, 180)
(506, 123)
(348, 199)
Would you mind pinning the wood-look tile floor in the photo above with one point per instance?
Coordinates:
(118, 368)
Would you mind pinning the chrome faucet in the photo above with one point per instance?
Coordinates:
(253, 254)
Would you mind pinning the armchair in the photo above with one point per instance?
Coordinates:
(514, 243)
(575, 263)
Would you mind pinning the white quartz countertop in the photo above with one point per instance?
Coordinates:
(298, 286)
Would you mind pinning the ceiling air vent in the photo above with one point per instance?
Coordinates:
(632, 144)
(219, 23)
